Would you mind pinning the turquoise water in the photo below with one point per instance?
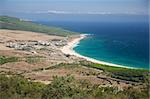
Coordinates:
(89, 48)
(122, 43)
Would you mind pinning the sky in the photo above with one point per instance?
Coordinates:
(139, 7)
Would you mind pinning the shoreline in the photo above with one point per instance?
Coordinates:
(68, 49)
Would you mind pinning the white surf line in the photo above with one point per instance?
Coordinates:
(68, 49)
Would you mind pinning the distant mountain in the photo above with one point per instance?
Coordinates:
(13, 23)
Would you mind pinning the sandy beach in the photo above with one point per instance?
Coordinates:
(68, 49)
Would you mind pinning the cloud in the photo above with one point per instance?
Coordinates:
(68, 12)
(78, 12)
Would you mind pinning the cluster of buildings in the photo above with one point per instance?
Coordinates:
(32, 45)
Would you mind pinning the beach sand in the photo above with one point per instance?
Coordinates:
(68, 49)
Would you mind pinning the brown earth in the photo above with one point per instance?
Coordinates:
(37, 67)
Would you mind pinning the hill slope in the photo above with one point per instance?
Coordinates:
(18, 24)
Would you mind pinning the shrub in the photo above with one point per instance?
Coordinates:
(17, 87)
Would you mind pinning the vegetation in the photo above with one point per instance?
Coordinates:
(135, 75)
(17, 87)
(17, 24)
(4, 59)
(61, 65)
(65, 65)
(33, 59)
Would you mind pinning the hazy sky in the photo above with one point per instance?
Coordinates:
(75, 6)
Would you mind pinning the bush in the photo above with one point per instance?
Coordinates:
(17, 87)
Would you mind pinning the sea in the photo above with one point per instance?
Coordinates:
(122, 43)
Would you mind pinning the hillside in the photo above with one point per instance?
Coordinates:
(13, 23)
(32, 66)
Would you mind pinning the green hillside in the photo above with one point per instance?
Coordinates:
(13, 23)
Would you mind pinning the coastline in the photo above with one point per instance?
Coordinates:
(68, 49)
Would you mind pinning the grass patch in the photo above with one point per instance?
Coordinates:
(66, 65)
(4, 59)
(61, 65)
(135, 75)
(33, 59)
